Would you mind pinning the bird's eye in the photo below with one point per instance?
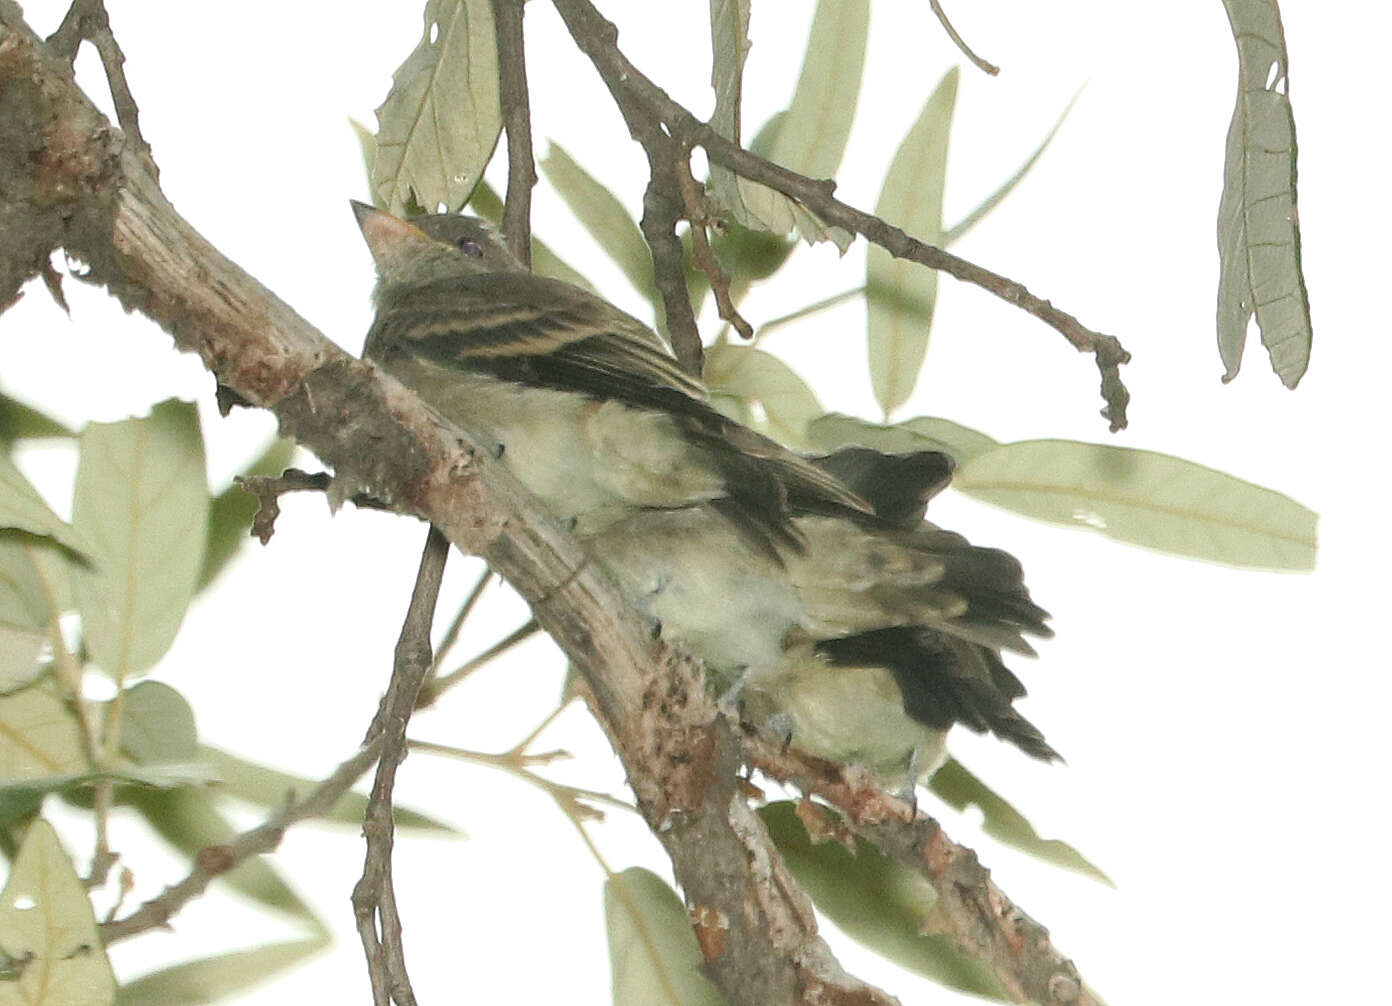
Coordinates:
(470, 247)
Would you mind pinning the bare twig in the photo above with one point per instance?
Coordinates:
(269, 488)
(701, 255)
(437, 686)
(212, 862)
(648, 111)
(87, 19)
(517, 117)
(451, 635)
(374, 897)
(980, 63)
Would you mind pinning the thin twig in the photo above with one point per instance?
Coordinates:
(517, 118)
(981, 64)
(215, 860)
(451, 635)
(374, 897)
(87, 19)
(701, 255)
(648, 110)
(432, 690)
(269, 488)
(787, 319)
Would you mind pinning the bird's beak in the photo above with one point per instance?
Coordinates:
(389, 238)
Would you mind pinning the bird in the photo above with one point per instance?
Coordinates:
(812, 586)
(594, 413)
(866, 646)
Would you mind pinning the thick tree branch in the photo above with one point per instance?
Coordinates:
(648, 110)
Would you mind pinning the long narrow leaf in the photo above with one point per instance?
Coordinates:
(545, 262)
(969, 221)
(900, 295)
(1145, 498)
(1258, 228)
(812, 135)
(653, 955)
(604, 218)
(210, 979)
(957, 787)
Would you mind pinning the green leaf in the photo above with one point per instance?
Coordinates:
(876, 901)
(900, 295)
(270, 788)
(653, 954)
(187, 818)
(1145, 498)
(812, 135)
(545, 262)
(766, 393)
(606, 220)
(34, 576)
(231, 511)
(958, 788)
(1258, 226)
(40, 741)
(210, 979)
(142, 498)
(922, 433)
(21, 652)
(157, 725)
(440, 122)
(48, 931)
(22, 422)
(22, 507)
(969, 221)
(367, 143)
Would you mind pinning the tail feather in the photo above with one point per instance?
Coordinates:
(944, 681)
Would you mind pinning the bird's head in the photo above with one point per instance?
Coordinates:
(431, 247)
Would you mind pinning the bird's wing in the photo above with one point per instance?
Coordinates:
(543, 333)
(534, 330)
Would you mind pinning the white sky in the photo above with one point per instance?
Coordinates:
(1219, 725)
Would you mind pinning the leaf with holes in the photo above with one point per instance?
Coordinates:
(1258, 226)
(440, 122)
(48, 931)
(812, 135)
(957, 787)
